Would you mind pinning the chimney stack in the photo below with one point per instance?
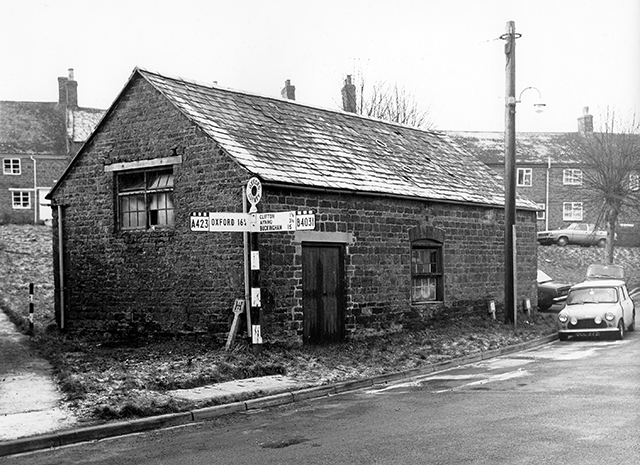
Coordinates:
(68, 91)
(349, 96)
(585, 122)
(289, 91)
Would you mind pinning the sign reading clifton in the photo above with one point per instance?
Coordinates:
(362, 224)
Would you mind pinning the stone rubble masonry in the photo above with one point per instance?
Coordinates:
(135, 282)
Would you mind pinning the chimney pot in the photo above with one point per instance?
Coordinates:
(585, 122)
(349, 96)
(289, 91)
(71, 74)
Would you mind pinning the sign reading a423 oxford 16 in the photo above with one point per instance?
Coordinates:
(220, 222)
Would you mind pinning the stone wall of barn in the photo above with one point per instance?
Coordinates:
(378, 258)
(175, 280)
(165, 280)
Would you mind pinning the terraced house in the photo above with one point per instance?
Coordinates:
(550, 172)
(406, 222)
(37, 141)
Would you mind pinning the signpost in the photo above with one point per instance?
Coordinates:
(253, 223)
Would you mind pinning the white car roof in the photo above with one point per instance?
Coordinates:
(599, 283)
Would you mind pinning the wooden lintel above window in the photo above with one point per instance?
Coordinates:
(141, 164)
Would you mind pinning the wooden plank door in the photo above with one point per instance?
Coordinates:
(323, 293)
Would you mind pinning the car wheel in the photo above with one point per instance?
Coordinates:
(563, 337)
(632, 326)
(602, 242)
(620, 333)
(562, 241)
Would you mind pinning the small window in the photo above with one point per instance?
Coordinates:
(525, 177)
(21, 200)
(572, 211)
(145, 199)
(427, 278)
(11, 166)
(572, 177)
(634, 182)
(542, 211)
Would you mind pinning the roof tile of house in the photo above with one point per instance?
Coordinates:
(531, 147)
(282, 141)
(34, 128)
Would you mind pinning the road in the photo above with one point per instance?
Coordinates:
(574, 402)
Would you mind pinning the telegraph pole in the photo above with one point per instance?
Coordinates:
(510, 295)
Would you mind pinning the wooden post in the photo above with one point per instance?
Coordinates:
(510, 304)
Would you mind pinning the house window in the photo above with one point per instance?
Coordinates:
(572, 211)
(634, 182)
(11, 166)
(572, 177)
(145, 199)
(542, 211)
(525, 176)
(427, 278)
(21, 200)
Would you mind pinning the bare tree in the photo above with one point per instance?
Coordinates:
(610, 160)
(388, 101)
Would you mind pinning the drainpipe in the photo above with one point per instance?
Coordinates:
(546, 206)
(61, 266)
(35, 191)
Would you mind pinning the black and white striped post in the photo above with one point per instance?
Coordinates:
(254, 194)
(31, 288)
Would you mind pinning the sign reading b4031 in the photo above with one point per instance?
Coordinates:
(305, 221)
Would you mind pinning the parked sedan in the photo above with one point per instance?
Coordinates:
(584, 234)
(594, 308)
(550, 293)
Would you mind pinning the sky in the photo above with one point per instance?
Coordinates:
(447, 53)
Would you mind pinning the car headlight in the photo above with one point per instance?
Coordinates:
(609, 316)
(563, 317)
(598, 320)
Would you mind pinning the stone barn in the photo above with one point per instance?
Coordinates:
(396, 223)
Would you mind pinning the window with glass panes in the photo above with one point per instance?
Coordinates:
(145, 199)
(426, 271)
(525, 177)
(572, 177)
(11, 166)
(21, 200)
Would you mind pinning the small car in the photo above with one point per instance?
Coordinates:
(595, 308)
(584, 234)
(550, 293)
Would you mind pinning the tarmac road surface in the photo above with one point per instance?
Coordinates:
(574, 402)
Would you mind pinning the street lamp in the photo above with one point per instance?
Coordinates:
(510, 274)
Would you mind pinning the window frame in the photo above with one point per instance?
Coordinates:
(142, 216)
(572, 214)
(541, 214)
(20, 204)
(634, 181)
(572, 177)
(527, 177)
(436, 248)
(8, 167)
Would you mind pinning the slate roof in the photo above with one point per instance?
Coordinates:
(531, 147)
(38, 128)
(83, 122)
(32, 128)
(285, 142)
